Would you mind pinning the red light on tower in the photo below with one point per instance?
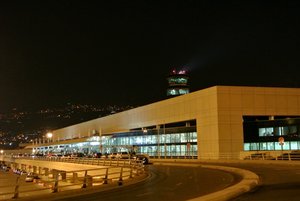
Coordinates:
(182, 72)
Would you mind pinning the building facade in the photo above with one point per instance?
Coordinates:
(208, 124)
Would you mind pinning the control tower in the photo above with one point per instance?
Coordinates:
(178, 83)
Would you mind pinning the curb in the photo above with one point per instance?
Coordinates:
(249, 181)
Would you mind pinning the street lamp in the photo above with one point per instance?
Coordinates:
(49, 135)
(1, 151)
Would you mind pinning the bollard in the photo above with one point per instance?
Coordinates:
(120, 182)
(106, 177)
(34, 169)
(16, 194)
(130, 173)
(63, 176)
(46, 171)
(84, 180)
(75, 177)
(55, 187)
(89, 181)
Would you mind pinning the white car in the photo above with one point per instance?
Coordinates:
(143, 157)
(119, 155)
(31, 176)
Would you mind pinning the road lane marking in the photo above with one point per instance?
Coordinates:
(143, 194)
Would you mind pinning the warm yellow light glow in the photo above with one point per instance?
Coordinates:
(49, 135)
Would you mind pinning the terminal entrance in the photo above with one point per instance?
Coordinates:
(178, 140)
(261, 133)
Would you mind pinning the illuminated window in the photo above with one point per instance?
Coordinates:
(178, 80)
(266, 132)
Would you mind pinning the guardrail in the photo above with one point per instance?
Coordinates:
(115, 172)
(271, 155)
(174, 157)
(90, 161)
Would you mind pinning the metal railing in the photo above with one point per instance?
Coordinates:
(92, 161)
(115, 172)
(174, 157)
(271, 155)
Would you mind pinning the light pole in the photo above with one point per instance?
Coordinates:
(158, 141)
(49, 136)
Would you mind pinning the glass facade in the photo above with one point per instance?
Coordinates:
(177, 91)
(168, 142)
(260, 133)
(177, 80)
(271, 146)
(154, 143)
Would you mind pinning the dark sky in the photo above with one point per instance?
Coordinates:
(120, 52)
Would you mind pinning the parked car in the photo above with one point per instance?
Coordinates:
(113, 156)
(19, 171)
(143, 157)
(3, 167)
(97, 155)
(125, 155)
(31, 176)
(6, 168)
(120, 155)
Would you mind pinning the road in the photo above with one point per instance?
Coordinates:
(279, 182)
(167, 183)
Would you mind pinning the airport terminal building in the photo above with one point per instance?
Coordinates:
(213, 123)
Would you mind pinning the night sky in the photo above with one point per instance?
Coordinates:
(120, 52)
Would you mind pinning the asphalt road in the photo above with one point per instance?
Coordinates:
(167, 183)
(278, 182)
